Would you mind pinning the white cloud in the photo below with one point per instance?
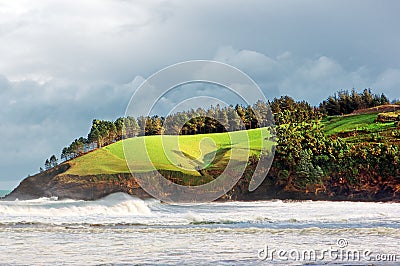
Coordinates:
(257, 63)
(321, 68)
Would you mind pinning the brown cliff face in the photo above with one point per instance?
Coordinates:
(53, 183)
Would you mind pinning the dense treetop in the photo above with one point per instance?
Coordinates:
(345, 102)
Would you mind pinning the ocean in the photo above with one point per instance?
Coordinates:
(124, 230)
(4, 192)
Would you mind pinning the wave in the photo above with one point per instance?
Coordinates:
(122, 210)
(115, 204)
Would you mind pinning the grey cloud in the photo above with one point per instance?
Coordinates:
(38, 120)
(63, 63)
(310, 79)
(389, 82)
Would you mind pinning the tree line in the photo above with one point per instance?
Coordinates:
(345, 102)
(217, 119)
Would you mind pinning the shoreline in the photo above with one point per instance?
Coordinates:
(55, 183)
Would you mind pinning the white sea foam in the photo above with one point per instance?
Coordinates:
(123, 229)
(125, 208)
(118, 204)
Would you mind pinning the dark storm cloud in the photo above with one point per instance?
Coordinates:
(63, 63)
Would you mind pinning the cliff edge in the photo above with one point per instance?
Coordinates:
(54, 183)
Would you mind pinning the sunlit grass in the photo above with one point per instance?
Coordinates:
(365, 122)
(186, 153)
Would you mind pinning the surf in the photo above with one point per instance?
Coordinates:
(118, 204)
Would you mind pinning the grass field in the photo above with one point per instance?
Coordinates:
(178, 153)
(365, 122)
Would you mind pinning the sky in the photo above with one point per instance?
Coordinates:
(64, 63)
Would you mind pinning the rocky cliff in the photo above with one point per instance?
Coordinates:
(56, 183)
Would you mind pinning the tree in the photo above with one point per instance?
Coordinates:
(241, 113)
(304, 152)
(102, 132)
(129, 127)
(367, 98)
(153, 125)
(233, 119)
(332, 106)
(110, 132)
(356, 101)
(141, 120)
(384, 99)
(119, 127)
(94, 134)
(53, 161)
(222, 118)
(210, 122)
(250, 118)
(263, 113)
(47, 164)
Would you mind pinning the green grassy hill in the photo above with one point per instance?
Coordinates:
(340, 124)
(188, 153)
(205, 151)
(361, 128)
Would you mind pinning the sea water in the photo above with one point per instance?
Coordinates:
(121, 229)
(4, 192)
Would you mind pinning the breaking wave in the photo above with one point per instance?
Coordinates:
(114, 204)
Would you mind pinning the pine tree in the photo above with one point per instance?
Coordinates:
(47, 164)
